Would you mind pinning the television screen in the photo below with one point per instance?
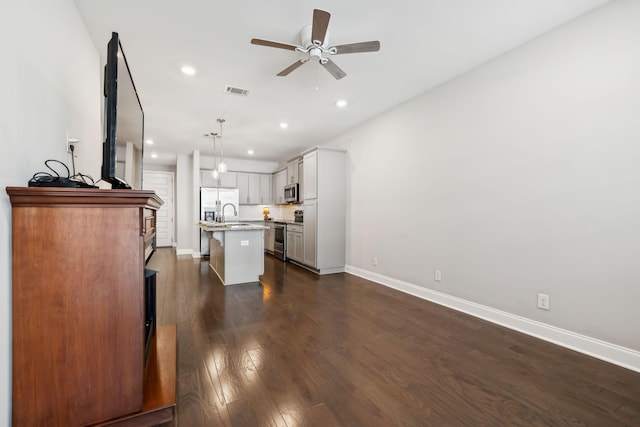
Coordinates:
(123, 122)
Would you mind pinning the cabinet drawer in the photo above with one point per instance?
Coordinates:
(149, 222)
(294, 228)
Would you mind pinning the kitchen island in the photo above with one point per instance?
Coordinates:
(236, 251)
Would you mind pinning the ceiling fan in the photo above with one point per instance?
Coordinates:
(314, 41)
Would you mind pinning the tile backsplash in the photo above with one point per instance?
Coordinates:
(254, 212)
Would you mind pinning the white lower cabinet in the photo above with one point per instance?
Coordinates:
(295, 248)
(310, 233)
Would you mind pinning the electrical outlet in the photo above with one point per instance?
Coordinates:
(70, 141)
(543, 301)
(437, 275)
(375, 261)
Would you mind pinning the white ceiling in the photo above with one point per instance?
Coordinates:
(423, 43)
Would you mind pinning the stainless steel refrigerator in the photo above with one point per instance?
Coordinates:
(212, 200)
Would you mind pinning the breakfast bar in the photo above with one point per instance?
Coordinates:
(236, 251)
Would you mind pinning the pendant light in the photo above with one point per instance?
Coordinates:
(214, 173)
(222, 166)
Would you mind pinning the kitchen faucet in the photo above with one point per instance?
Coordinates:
(235, 212)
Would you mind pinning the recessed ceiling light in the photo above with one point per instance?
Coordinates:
(284, 125)
(188, 70)
(341, 103)
(250, 152)
(154, 156)
(149, 141)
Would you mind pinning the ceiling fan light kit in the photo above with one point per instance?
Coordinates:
(314, 40)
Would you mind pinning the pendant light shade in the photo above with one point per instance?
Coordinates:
(222, 166)
(215, 174)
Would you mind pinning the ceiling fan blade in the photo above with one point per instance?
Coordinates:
(269, 43)
(319, 26)
(372, 46)
(333, 69)
(291, 67)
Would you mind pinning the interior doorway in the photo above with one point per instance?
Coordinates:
(162, 184)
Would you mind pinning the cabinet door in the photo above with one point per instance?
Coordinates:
(228, 180)
(292, 172)
(309, 250)
(311, 176)
(297, 246)
(242, 181)
(265, 189)
(301, 181)
(253, 197)
(279, 182)
(207, 179)
(290, 246)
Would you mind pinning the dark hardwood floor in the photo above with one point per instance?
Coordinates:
(337, 350)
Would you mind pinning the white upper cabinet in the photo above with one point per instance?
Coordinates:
(310, 180)
(250, 188)
(301, 181)
(265, 189)
(292, 172)
(226, 180)
(279, 181)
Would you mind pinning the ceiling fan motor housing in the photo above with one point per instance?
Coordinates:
(307, 43)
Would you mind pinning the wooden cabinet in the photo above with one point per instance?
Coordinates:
(294, 242)
(78, 305)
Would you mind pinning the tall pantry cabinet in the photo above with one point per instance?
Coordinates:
(324, 209)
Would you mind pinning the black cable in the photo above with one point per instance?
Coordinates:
(73, 161)
(49, 179)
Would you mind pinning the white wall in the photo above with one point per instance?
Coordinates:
(184, 204)
(51, 86)
(522, 176)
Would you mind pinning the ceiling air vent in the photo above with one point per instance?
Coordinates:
(236, 90)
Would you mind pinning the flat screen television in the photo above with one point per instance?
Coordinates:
(123, 121)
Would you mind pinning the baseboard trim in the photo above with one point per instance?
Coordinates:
(184, 251)
(612, 353)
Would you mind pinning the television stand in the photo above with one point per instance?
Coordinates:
(78, 318)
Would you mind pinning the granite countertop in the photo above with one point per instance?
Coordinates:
(230, 226)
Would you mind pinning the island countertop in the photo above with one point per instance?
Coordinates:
(230, 226)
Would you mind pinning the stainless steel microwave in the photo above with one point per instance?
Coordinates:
(291, 193)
